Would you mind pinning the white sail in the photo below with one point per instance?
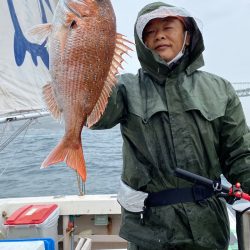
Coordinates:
(23, 64)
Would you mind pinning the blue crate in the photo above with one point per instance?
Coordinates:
(49, 244)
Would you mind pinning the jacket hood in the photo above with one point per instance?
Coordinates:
(152, 63)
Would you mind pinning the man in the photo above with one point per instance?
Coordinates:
(174, 115)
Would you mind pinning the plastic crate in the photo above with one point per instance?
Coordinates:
(33, 221)
(27, 244)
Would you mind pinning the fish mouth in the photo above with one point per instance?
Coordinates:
(67, 5)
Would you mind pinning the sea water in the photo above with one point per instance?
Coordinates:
(20, 161)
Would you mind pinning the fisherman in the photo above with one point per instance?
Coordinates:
(172, 115)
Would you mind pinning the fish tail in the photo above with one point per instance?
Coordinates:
(72, 156)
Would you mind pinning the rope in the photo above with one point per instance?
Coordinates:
(15, 134)
(2, 132)
(3, 171)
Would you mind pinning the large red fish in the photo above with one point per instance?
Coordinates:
(85, 54)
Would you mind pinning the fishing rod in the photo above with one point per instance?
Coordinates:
(231, 194)
(234, 191)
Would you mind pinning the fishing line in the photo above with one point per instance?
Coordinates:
(12, 137)
(15, 134)
(3, 130)
(3, 171)
(80, 184)
(26, 129)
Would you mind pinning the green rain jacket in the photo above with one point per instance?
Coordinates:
(180, 117)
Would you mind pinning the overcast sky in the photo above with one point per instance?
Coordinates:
(225, 28)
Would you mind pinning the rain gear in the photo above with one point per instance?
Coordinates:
(178, 117)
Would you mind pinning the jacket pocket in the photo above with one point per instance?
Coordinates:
(210, 110)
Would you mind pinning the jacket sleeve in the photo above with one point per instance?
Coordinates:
(115, 111)
(235, 143)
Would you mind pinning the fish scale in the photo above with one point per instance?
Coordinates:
(85, 54)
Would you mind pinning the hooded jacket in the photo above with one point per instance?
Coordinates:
(178, 117)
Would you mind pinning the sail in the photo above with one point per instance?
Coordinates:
(23, 64)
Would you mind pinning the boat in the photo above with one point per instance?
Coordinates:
(85, 222)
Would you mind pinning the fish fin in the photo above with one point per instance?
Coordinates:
(39, 33)
(50, 100)
(72, 156)
(111, 80)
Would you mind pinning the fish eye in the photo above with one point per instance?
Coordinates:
(73, 25)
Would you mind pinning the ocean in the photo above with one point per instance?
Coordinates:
(20, 161)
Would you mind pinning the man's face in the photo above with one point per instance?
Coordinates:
(165, 37)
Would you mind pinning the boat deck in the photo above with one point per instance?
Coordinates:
(89, 222)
